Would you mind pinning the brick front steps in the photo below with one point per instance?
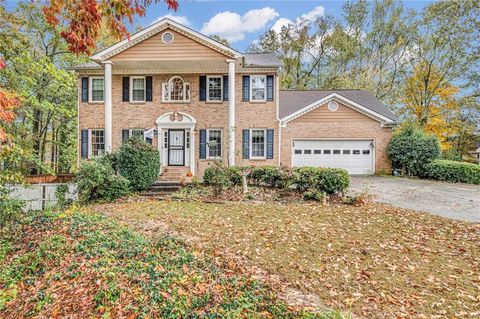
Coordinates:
(171, 180)
(162, 188)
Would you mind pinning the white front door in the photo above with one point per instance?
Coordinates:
(355, 156)
(176, 147)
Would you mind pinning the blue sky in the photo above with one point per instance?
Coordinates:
(243, 21)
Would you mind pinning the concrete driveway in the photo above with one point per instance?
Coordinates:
(457, 201)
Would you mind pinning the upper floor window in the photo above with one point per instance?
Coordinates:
(258, 87)
(96, 89)
(137, 87)
(176, 90)
(214, 88)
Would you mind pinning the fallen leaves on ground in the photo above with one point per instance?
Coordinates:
(376, 260)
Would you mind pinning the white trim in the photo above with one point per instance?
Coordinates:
(168, 32)
(144, 89)
(169, 89)
(221, 88)
(339, 98)
(156, 28)
(207, 141)
(264, 142)
(264, 88)
(90, 88)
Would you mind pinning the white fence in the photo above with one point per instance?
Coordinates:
(41, 196)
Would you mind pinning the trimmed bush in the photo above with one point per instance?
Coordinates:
(410, 149)
(273, 176)
(234, 174)
(328, 180)
(453, 171)
(314, 195)
(139, 163)
(97, 181)
(217, 175)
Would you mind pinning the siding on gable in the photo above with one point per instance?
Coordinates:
(343, 114)
(181, 49)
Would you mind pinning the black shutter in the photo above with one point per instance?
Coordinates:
(149, 88)
(126, 89)
(84, 143)
(203, 88)
(246, 88)
(269, 87)
(203, 144)
(246, 144)
(84, 89)
(225, 87)
(270, 138)
(125, 136)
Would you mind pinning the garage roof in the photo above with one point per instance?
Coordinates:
(292, 101)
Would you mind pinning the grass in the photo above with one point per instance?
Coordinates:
(78, 264)
(375, 260)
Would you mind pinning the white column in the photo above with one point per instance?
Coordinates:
(108, 106)
(231, 112)
(192, 151)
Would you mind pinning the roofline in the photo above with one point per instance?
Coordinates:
(98, 57)
(322, 101)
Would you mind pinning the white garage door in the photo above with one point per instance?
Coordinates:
(356, 156)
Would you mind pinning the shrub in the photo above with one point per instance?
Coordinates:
(314, 195)
(234, 174)
(410, 149)
(139, 163)
(61, 195)
(10, 207)
(274, 176)
(217, 176)
(97, 181)
(328, 180)
(453, 171)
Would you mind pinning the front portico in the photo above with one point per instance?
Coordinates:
(176, 140)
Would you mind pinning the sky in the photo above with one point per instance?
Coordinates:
(241, 22)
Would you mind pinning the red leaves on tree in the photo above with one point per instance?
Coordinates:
(83, 19)
(8, 102)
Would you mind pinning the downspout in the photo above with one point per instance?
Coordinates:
(277, 104)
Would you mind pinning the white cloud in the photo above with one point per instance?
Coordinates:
(232, 26)
(180, 19)
(306, 17)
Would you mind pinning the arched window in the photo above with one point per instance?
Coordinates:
(176, 90)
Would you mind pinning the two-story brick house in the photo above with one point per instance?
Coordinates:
(197, 101)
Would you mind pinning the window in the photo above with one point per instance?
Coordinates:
(96, 89)
(188, 139)
(176, 90)
(167, 37)
(214, 143)
(346, 152)
(97, 143)
(307, 152)
(327, 152)
(258, 88)
(137, 85)
(257, 143)
(214, 88)
(298, 151)
(366, 152)
(165, 139)
(356, 152)
(336, 151)
(317, 151)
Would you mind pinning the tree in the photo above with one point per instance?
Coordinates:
(431, 102)
(83, 19)
(223, 41)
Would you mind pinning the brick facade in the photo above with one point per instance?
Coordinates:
(128, 115)
(341, 125)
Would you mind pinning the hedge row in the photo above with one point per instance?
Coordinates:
(452, 171)
(328, 180)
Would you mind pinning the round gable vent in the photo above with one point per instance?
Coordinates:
(167, 37)
(332, 106)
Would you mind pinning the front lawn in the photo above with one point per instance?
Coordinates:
(83, 265)
(375, 260)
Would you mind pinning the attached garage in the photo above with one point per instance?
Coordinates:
(355, 156)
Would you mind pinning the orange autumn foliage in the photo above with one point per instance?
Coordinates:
(432, 103)
(83, 19)
(8, 102)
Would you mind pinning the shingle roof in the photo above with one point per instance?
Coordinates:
(292, 100)
(87, 66)
(252, 60)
